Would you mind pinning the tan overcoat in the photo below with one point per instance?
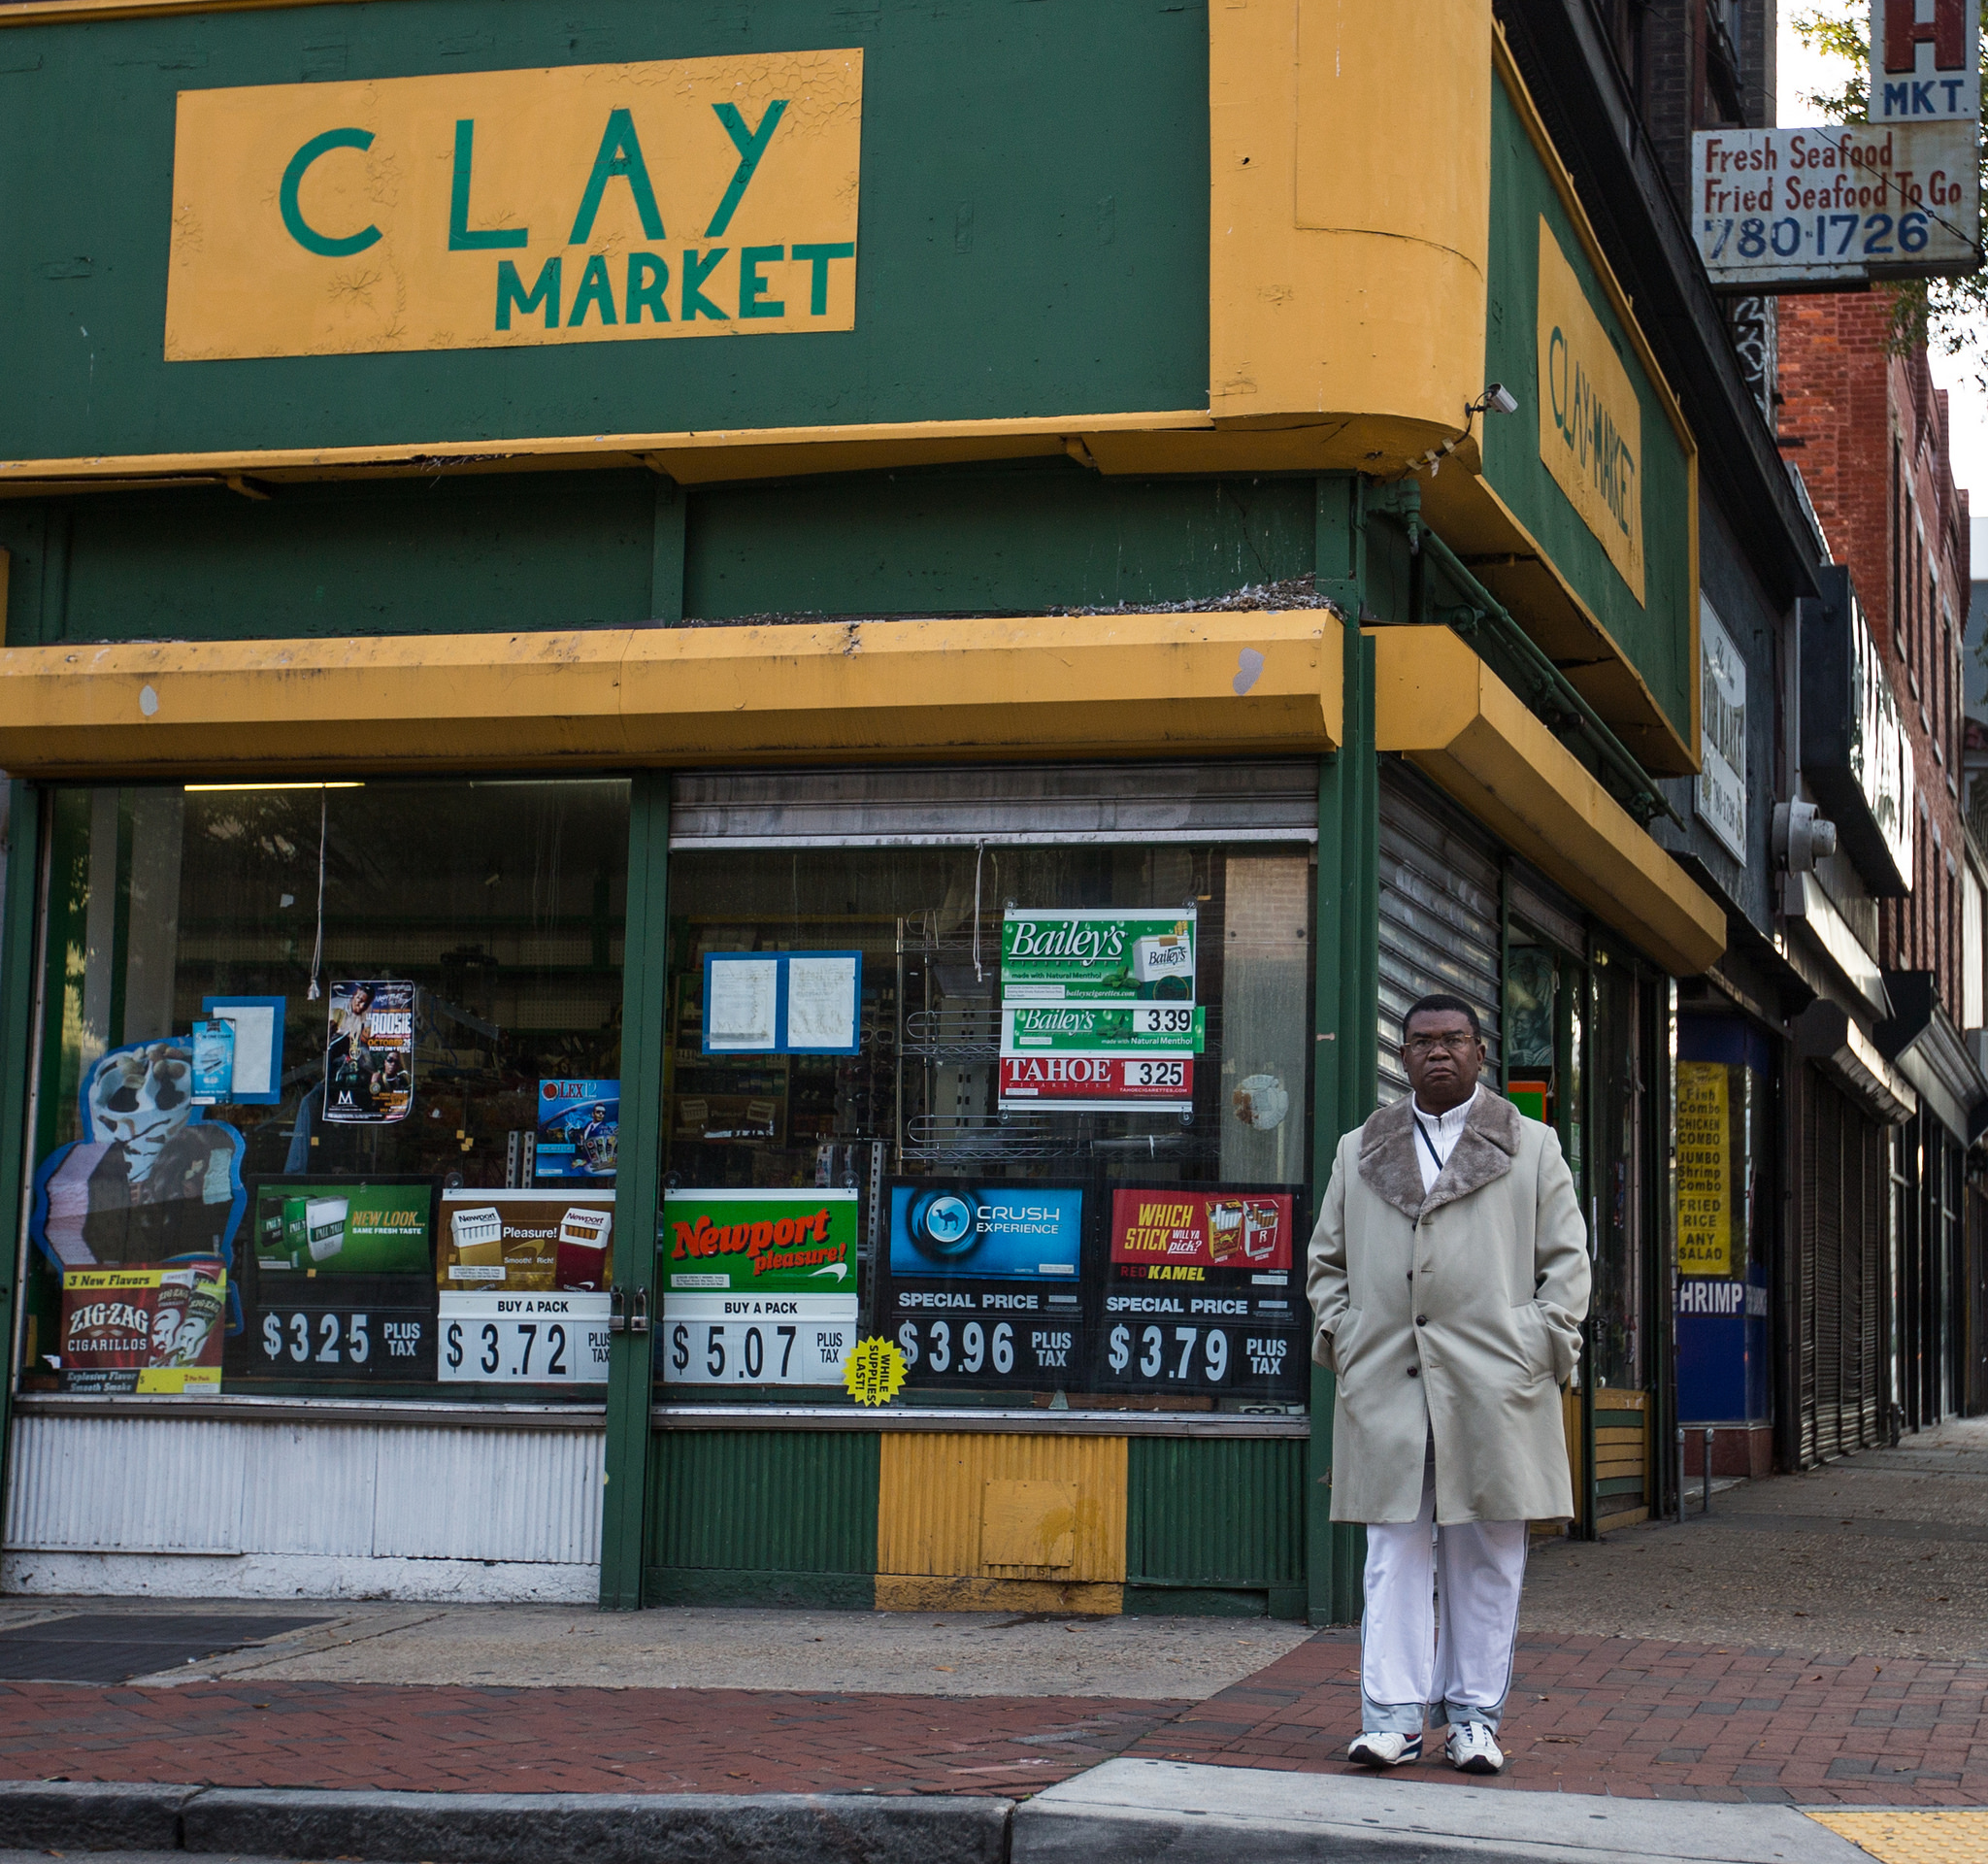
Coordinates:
(1456, 1314)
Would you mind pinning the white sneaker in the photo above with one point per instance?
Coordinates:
(1472, 1750)
(1385, 1750)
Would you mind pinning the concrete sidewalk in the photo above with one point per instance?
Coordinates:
(1121, 1813)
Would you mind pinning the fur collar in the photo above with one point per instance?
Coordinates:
(1483, 1154)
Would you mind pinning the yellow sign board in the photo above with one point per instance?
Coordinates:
(1704, 1170)
(1590, 420)
(690, 197)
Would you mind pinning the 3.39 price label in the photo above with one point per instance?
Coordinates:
(1229, 1360)
(756, 1339)
(524, 1339)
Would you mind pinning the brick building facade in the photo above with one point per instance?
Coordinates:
(1869, 433)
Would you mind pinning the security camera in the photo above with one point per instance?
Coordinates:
(1500, 399)
(1802, 835)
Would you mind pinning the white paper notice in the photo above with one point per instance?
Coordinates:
(741, 1012)
(255, 1046)
(821, 1001)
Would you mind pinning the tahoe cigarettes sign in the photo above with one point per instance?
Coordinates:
(583, 204)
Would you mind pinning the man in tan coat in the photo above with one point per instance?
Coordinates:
(1449, 1278)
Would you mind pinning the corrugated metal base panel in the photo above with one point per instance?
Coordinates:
(353, 1510)
(1047, 1509)
(1214, 1514)
(759, 1587)
(773, 1501)
(1214, 1602)
(923, 1592)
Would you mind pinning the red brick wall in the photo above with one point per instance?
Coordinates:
(1868, 432)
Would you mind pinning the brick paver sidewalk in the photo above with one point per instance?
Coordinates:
(555, 1739)
(1629, 1717)
(1644, 1717)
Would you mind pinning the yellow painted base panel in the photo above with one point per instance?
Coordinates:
(920, 1592)
(1945, 1835)
(1629, 1518)
(962, 1508)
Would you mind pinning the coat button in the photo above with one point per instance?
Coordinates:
(1421, 1319)
(1415, 1372)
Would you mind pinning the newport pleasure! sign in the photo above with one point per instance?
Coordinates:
(579, 204)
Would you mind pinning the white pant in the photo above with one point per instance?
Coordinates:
(1405, 1667)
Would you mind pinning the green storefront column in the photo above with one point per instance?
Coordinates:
(1347, 993)
(644, 975)
(17, 1045)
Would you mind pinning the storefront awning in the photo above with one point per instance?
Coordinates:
(1442, 709)
(1087, 685)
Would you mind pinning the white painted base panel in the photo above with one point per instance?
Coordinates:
(193, 1508)
(298, 1576)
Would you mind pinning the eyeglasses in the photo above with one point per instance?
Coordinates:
(1458, 1042)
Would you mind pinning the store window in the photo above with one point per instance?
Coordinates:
(327, 1090)
(1035, 1116)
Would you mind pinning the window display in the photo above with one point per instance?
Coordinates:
(1059, 1160)
(301, 1045)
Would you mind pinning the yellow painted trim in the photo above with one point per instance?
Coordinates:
(946, 1510)
(917, 1592)
(1087, 686)
(1596, 665)
(45, 12)
(1345, 278)
(1442, 709)
(690, 457)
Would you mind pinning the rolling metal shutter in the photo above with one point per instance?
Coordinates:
(1439, 914)
(958, 805)
(1838, 1298)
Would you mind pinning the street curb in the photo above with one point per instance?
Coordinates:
(509, 1828)
(59, 1815)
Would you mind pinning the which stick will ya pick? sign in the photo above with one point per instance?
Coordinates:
(582, 204)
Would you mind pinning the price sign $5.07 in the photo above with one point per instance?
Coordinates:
(757, 1352)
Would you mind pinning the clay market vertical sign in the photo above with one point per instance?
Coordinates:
(1097, 1010)
(1590, 419)
(583, 204)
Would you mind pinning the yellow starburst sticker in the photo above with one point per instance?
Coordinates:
(874, 1373)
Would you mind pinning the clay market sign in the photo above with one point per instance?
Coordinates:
(583, 204)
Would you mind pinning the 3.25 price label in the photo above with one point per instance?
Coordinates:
(1098, 1083)
(346, 1343)
(524, 1339)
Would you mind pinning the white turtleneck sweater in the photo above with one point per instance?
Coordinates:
(1436, 1136)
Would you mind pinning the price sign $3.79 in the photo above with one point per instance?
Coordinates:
(1171, 1356)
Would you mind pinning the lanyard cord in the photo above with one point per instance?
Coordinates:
(1423, 1131)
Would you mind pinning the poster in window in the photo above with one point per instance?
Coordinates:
(579, 1125)
(759, 1286)
(153, 1178)
(1199, 1301)
(147, 1327)
(983, 1285)
(1704, 1170)
(344, 1227)
(525, 1242)
(369, 1053)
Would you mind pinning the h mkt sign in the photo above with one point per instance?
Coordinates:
(1925, 62)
